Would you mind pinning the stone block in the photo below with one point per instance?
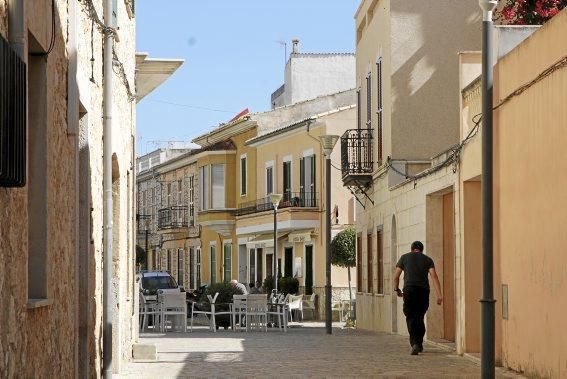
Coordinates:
(146, 352)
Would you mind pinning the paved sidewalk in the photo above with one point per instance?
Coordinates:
(301, 352)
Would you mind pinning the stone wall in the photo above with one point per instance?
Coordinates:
(47, 338)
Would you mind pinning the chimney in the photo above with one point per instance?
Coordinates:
(295, 46)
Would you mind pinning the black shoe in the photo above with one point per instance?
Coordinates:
(414, 350)
(420, 347)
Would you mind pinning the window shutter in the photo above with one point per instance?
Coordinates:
(302, 176)
(358, 115)
(12, 117)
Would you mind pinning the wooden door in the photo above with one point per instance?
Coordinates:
(449, 312)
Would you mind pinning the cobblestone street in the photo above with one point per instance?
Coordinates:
(301, 352)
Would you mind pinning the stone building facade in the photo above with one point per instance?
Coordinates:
(51, 229)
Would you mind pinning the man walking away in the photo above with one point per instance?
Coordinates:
(416, 267)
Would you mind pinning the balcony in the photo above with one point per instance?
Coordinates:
(289, 200)
(174, 217)
(357, 158)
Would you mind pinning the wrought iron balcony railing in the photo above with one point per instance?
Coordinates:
(173, 217)
(356, 154)
(289, 200)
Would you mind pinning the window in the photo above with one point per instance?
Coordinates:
(379, 261)
(169, 194)
(287, 181)
(213, 264)
(369, 267)
(269, 180)
(359, 262)
(369, 101)
(218, 192)
(168, 267)
(180, 270)
(307, 181)
(192, 265)
(180, 192)
(379, 109)
(204, 187)
(227, 262)
(243, 175)
(198, 267)
(37, 176)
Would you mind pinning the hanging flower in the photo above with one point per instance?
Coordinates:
(529, 12)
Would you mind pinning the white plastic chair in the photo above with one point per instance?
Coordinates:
(340, 307)
(281, 310)
(309, 304)
(147, 309)
(238, 308)
(295, 302)
(211, 313)
(173, 304)
(257, 312)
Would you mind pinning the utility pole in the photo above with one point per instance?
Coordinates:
(487, 301)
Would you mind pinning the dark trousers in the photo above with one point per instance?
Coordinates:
(416, 303)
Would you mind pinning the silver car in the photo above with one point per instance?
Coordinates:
(150, 282)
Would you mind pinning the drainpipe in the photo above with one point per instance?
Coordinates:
(108, 312)
(16, 27)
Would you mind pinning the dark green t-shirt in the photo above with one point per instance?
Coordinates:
(416, 268)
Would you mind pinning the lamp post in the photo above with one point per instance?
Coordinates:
(275, 198)
(328, 143)
(487, 301)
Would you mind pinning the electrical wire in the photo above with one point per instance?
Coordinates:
(90, 10)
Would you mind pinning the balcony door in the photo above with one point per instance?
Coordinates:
(287, 181)
(307, 181)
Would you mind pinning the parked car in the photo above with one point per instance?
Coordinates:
(150, 282)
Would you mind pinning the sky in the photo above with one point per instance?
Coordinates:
(233, 55)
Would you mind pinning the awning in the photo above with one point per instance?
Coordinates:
(265, 240)
(300, 236)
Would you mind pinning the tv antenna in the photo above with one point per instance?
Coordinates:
(284, 44)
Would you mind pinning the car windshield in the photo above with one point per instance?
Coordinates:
(158, 282)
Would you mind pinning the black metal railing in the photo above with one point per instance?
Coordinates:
(356, 152)
(12, 117)
(173, 217)
(289, 200)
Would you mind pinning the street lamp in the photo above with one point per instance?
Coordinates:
(275, 198)
(327, 144)
(487, 301)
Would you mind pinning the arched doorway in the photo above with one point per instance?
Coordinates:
(394, 260)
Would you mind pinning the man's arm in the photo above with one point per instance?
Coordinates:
(396, 280)
(436, 284)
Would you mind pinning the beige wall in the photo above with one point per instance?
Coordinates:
(250, 152)
(419, 47)
(530, 138)
(418, 44)
(47, 338)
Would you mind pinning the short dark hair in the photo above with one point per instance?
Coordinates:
(417, 245)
